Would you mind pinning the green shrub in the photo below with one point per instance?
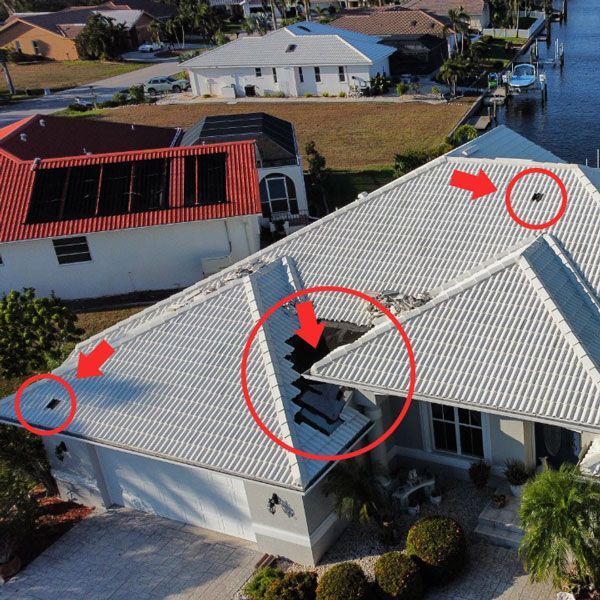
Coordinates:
(138, 96)
(294, 586)
(262, 580)
(308, 95)
(206, 95)
(479, 472)
(398, 577)
(517, 472)
(402, 88)
(345, 581)
(325, 94)
(463, 134)
(76, 107)
(342, 94)
(439, 546)
(487, 39)
(110, 104)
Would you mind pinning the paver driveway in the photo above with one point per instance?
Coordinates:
(123, 554)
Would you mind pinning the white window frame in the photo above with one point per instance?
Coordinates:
(258, 72)
(270, 178)
(341, 74)
(454, 457)
(35, 44)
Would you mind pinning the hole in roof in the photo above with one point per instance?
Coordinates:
(291, 48)
(413, 23)
(537, 197)
(53, 404)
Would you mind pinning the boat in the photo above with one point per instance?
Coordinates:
(523, 77)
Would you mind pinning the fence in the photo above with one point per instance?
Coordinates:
(503, 32)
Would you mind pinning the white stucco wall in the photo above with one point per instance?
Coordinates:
(212, 80)
(131, 260)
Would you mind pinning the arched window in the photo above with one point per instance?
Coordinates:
(278, 197)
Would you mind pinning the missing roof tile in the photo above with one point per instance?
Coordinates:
(53, 404)
(537, 197)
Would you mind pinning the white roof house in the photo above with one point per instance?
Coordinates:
(506, 331)
(293, 52)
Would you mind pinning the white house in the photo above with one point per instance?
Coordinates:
(304, 58)
(281, 176)
(504, 323)
(115, 209)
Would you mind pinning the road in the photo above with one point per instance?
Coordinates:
(102, 89)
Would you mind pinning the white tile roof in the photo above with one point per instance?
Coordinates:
(519, 336)
(409, 237)
(338, 47)
(173, 387)
(503, 142)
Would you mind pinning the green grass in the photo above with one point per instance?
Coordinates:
(67, 112)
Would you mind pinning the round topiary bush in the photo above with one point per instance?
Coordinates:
(294, 586)
(398, 577)
(345, 581)
(439, 546)
(262, 580)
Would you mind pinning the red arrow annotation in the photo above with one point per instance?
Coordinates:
(480, 185)
(310, 330)
(89, 365)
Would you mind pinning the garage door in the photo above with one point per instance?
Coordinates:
(197, 496)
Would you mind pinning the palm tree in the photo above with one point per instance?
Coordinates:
(450, 71)
(358, 497)
(560, 514)
(459, 21)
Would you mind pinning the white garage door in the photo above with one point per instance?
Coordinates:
(197, 496)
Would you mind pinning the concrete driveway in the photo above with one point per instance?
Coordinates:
(103, 90)
(123, 554)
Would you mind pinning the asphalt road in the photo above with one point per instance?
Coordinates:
(103, 90)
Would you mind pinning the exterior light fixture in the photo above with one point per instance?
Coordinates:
(272, 502)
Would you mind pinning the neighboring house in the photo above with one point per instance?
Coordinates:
(282, 188)
(52, 34)
(478, 10)
(504, 324)
(304, 58)
(422, 41)
(90, 208)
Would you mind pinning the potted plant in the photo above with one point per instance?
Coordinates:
(17, 514)
(436, 495)
(517, 473)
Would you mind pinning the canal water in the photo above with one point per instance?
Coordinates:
(569, 123)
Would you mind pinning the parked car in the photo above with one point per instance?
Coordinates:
(151, 47)
(165, 85)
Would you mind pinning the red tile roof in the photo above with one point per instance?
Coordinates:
(441, 7)
(17, 179)
(54, 137)
(391, 21)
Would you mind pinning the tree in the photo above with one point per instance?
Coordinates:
(459, 21)
(257, 23)
(560, 514)
(317, 169)
(35, 333)
(411, 159)
(463, 134)
(357, 495)
(4, 63)
(101, 38)
(22, 455)
(450, 71)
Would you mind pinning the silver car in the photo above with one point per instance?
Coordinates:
(165, 85)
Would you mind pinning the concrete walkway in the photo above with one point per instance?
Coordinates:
(123, 554)
(103, 90)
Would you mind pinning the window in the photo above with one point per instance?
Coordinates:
(300, 74)
(457, 430)
(72, 250)
(278, 197)
(82, 192)
(318, 74)
(36, 48)
(205, 179)
(274, 74)
(17, 45)
(258, 72)
(341, 74)
(150, 185)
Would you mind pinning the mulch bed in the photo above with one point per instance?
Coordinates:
(55, 518)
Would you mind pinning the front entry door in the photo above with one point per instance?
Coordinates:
(557, 444)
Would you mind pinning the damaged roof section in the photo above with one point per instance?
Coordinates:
(514, 337)
(173, 387)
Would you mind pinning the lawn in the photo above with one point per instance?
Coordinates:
(352, 136)
(497, 50)
(63, 75)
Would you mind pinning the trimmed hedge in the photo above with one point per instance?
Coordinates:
(294, 586)
(439, 546)
(345, 581)
(399, 577)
